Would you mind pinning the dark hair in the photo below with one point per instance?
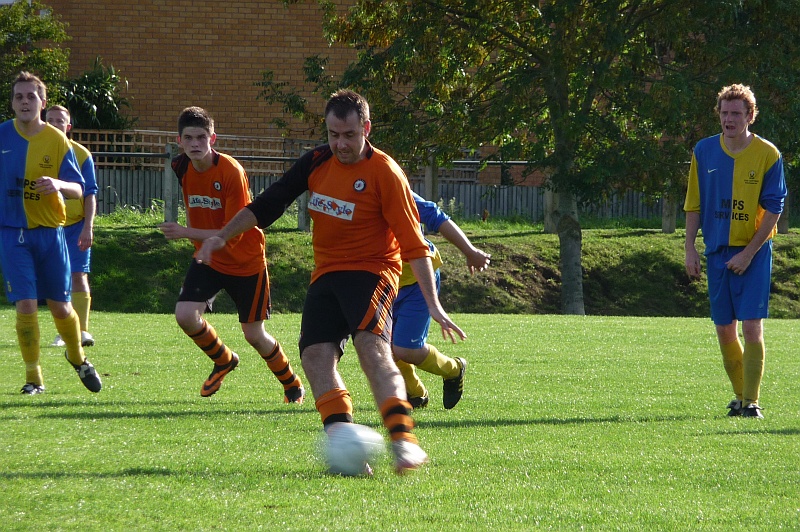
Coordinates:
(22, 77)
(195, 117)
(344, 101)
(737, 91)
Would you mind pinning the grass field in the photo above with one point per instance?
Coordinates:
(568, 423)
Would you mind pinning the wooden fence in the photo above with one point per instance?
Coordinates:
(143, 188)
(133, 171)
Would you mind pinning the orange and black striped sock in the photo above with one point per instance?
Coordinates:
(335, 406)
(207, 340)
(279, 364)
(397, 419)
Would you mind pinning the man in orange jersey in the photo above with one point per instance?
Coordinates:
(215, 188)
(365, 225)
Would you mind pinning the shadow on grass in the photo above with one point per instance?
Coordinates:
(130, 472)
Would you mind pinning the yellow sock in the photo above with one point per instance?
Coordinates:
(29, 338)
(414, 386)
(82, 302)
(439, 364)
(732, 360)
(70, 330)
(753, 368)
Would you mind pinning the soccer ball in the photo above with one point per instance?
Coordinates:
(349, 447)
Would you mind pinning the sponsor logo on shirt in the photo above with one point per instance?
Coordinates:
(331, 206)
(204, 202)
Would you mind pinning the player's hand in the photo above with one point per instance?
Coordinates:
(692, 262)
(739, 263)
(478, 260)
(210, 245)
(46, 185)
(449, 328)
(172, 230)
(86, 238)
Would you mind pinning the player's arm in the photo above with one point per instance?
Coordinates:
(741, 261)
(692, 260)
(476, 258)
(423, 271)
(68, 189)
(243, 221)
(86, 238)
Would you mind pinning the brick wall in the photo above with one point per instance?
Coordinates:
(175, 54)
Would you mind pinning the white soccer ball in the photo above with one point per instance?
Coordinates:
(349, 447)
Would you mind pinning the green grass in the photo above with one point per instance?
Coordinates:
(568, 423)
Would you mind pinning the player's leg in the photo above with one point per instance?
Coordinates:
(17, 264)
(367, 302)
(409, 330)
(752, 306)
(79, 261)
(752, 366)
(411, 322)
(727, 326)
(323, 335)
(18, 269)
(28, 335)
(54, 280)
(252, 298)
(197, 294)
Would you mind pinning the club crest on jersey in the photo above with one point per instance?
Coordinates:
(204, 202)
(359, 185)
(331, 206)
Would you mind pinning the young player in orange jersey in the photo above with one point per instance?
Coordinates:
(215, 188)
(365, 224)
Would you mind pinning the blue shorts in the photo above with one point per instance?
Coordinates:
(411, 318)
(79, 261)
(35, 264)
(342, 302)
(739, 297)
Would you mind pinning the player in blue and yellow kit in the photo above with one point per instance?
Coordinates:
(79, 228)
(736, 194)
(37, 170)
(411, 318)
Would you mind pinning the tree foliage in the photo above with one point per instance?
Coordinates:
(94, 99)
(600, 95)
(29, 38)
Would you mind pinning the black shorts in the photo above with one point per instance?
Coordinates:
(249, 293)
(340, 303)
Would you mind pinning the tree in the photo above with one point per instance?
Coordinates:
(603, 96)
(29, 35)
(94, 99)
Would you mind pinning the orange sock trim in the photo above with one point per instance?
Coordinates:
(335, 406)
(279, 364)
(207, 340)
(397, 419)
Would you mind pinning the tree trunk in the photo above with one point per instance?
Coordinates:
(669, 214)
(570, 239)
(550, 212)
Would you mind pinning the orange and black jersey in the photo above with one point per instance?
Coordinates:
(212, 198)
(364, 214)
